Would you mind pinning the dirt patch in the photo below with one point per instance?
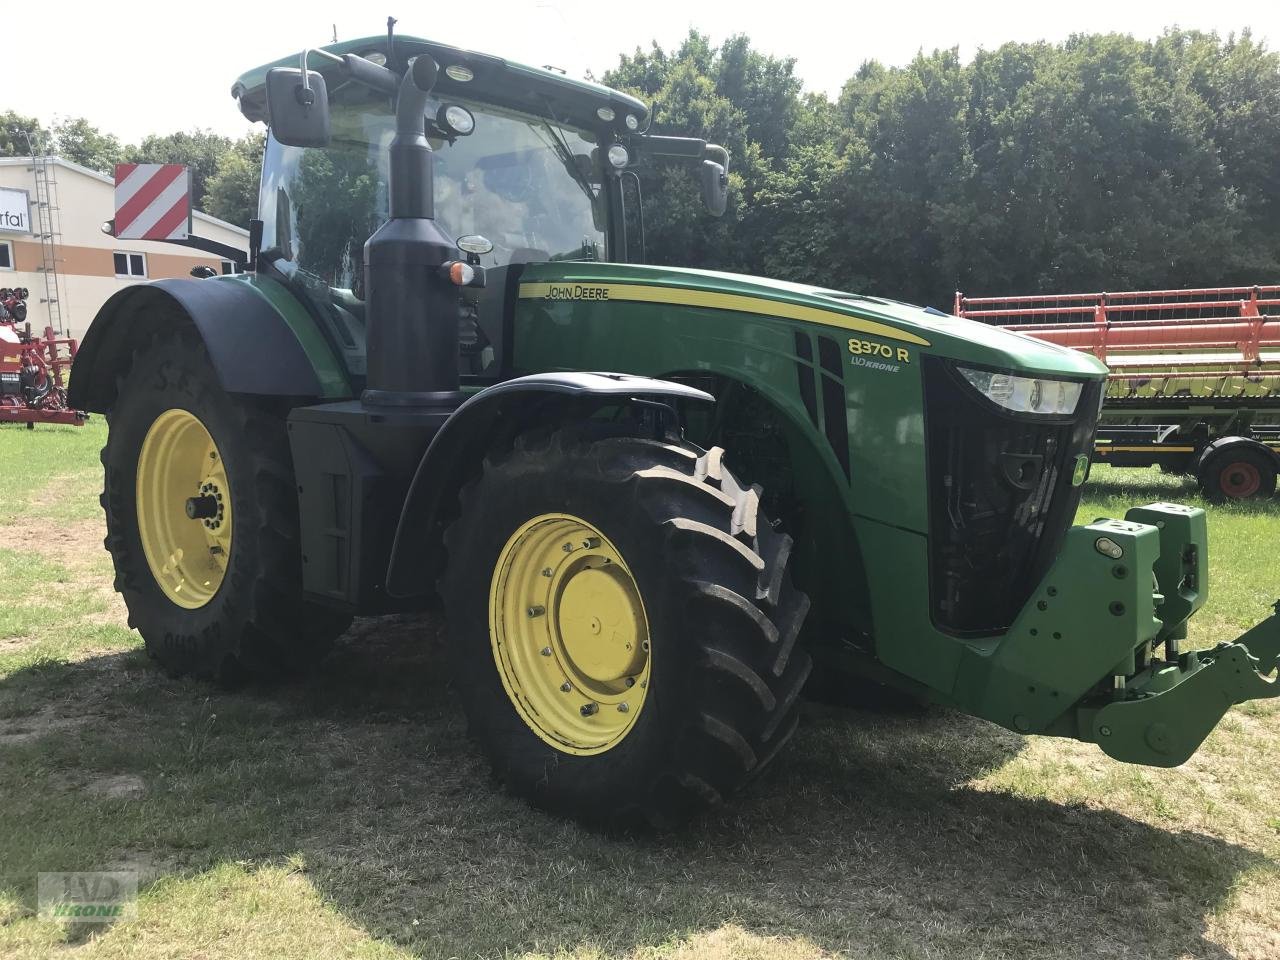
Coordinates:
(122, 786)
(77, 546)
(145, 863)
(731, 942)
(43, 722)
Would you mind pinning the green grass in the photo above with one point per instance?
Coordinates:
(345, 814)
(51, 472)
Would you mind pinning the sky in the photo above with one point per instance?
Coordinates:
(149, 67)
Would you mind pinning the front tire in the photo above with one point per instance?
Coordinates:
(622, 626)
(218, 594)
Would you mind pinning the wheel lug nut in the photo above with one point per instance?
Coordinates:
(566, 687)
(536, 610)
(590, 543)
(623, 708)
(546, 651)
(546, 571)
(588, 709)
(567, 548)
(631, 681)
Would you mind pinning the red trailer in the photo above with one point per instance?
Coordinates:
(32, 368)
(1195, 375)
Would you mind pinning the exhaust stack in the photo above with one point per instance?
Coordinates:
(412, 311)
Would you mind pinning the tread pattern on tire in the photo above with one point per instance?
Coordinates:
(273, 631)
(742, 611)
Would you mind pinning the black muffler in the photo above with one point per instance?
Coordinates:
(412, 308)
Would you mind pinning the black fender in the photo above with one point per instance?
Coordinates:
(461, 443)
(250, 344)
(1224, 444)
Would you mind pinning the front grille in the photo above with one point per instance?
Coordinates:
(1000, 499)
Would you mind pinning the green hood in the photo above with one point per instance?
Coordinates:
(861, 315)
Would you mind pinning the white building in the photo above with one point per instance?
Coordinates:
(89, 266)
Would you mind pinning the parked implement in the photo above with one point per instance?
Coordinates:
(1195, 376)
(415, 393)
(31, 368)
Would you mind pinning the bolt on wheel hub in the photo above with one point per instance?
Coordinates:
(184, 508)
(569, 634)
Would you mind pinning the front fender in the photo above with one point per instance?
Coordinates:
(460, 444)
(252, 343)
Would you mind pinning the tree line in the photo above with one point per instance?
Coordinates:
(224, 171)
(1102, 162)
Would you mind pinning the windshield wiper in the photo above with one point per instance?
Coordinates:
(561, 147)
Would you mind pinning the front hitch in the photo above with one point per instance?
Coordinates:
(1170, 709)
(1095, 653)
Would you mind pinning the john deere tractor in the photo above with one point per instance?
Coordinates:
(649, 498)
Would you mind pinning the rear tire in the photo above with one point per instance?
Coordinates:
(255, 619)
(722, 620)
(1238, 471)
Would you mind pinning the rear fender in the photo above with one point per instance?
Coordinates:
(253, 346)
(459, 446)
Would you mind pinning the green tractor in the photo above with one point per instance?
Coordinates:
(650, 499)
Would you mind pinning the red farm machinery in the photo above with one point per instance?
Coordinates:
(32, 368)
(1194, 385)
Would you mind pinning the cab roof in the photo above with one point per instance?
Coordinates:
(494, 80)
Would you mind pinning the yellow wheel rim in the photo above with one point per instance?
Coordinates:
(569, 634)
(179, 462)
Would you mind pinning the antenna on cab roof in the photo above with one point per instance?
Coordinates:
(392, 60)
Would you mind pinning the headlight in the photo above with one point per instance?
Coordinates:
(456, 119)
(1025, 394)
(618, 156)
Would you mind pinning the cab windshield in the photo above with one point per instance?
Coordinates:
(527, 184)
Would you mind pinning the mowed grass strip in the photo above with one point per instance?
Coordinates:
(345, 814)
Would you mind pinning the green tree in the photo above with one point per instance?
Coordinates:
(689, 92)
(1238, 80)
(200, 150)
(1101, 162)
(14, 132)
(232, 193)
(798, 204)
(1100, 171)
(81, 142)
(765, 89)
(904, 201)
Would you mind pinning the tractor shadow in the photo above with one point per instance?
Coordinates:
(865, 837)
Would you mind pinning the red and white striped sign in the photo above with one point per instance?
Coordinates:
(153, 201)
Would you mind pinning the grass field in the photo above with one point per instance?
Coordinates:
(345, 814)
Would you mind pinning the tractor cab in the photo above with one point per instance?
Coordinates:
(527, 164)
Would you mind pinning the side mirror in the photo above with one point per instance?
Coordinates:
(715, 187)
(298, 110)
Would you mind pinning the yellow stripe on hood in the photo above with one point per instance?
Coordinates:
(644, 293)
